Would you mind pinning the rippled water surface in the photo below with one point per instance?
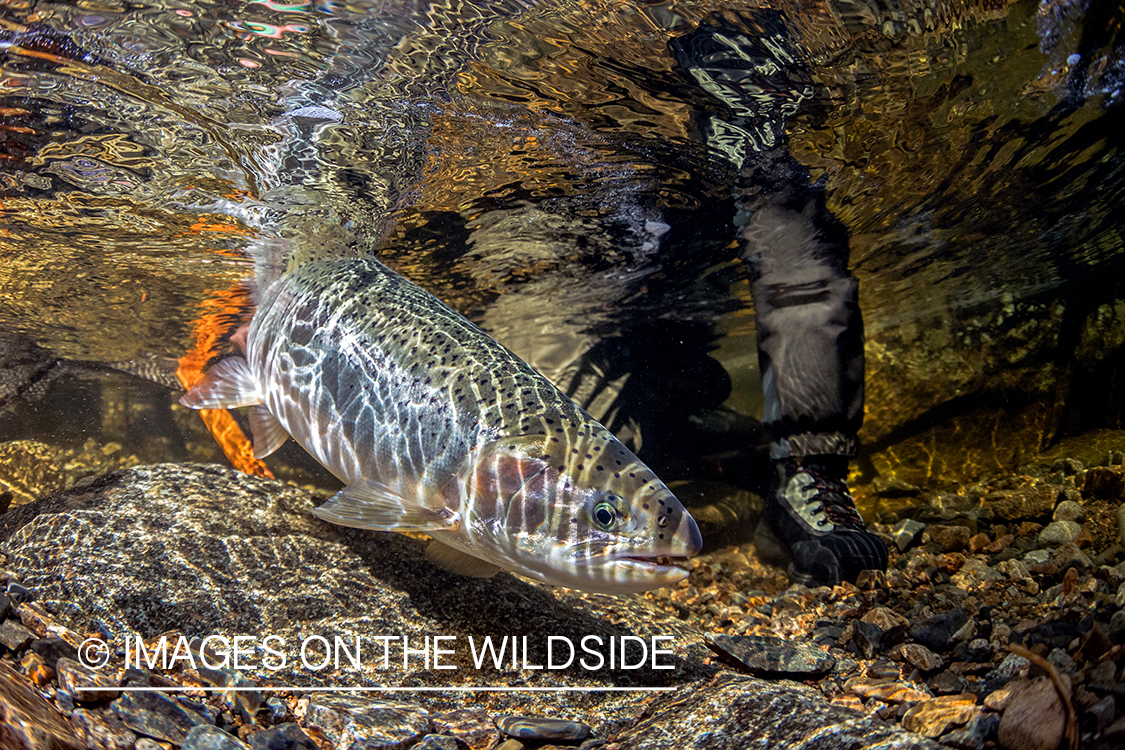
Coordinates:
(543, 168)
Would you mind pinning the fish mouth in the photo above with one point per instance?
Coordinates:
(658, 563)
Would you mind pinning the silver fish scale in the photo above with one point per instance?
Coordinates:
(407, 380)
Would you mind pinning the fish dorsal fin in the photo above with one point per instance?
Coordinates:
(268, 433)
(461, 563)
(227, 385)
(368, 504)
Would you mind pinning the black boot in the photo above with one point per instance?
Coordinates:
(811, 520)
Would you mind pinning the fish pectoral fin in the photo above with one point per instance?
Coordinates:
(368, 504)
(227, 385)
(461, 563)
(268, 433)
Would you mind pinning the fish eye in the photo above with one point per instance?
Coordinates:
(606, 513)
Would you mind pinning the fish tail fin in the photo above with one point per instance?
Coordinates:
(227, 385)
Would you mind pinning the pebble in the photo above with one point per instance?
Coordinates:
(769, 656)
(15, 636)
(918, 655)
(87, 685)
(37, 669)
(370, 724)
(978, 542)
(1069, 510)
(974, 736)
(52, 649)
(867, 638)
(1037, 556)
(1027, 502)
(277, 709)
(888, 691)
(1103, 712)
(440, 742)
(1059, 532)
(102, 731)
(28, 719)
(473, 725)
(950, 538)
(935, 632)
(884, 618)
(973, 573)
(510, 745)
(532, 728)
(282, 737)
(206, 737)
(1013, 665)
(1034, 717)
(156, 715)
(905, 532)
(1104, 482)
(146, 743)
(933, 718)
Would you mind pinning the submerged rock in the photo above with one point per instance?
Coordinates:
(768, 656)
(530, 728)
(735, 711)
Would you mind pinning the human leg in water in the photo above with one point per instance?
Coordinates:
(810, 332)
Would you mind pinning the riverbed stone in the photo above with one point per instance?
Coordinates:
(769, 656)
(87, 685)
(369, 724)
(102, 730)
(737, 711)
(1059, 532)
(156, 715)
(287, 736)
(540, 730)
(1034, 717)
(206, 737)
(28, 721)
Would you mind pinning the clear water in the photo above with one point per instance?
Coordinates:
(540, 167)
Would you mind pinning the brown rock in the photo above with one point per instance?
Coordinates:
(27, 722)
(85, 684)
(884, 618)
(1030, 528)
(918, 655)
(1034, 717)
(470, 725)
(951, 562)
(36, 668)
(1002, 543)
(888, 691)
(102, 731)
(1025, 503)
(978, 542)
(933, 718)
(1105, 482)
(949, 538)
(998, 699)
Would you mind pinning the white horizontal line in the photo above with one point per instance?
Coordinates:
(457, 689)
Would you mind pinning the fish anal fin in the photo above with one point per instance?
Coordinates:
(268, 433)
(369, 504)
(462, 563)
(227, 385)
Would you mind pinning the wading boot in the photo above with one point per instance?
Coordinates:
(810, 520)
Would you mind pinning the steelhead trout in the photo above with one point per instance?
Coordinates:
(436, 427)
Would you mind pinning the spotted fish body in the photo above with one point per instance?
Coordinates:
(436, 427)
